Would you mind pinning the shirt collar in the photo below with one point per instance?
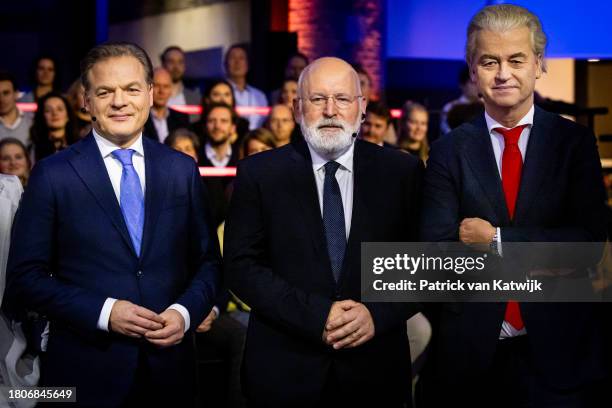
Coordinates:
(107, 147)
(345, 160)
(525, 120)
(211, 154)
(247, 87)
(20, 115)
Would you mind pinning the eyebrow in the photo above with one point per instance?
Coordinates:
(518, 55)
(109, 88)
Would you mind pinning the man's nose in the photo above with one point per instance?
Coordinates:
(330, 107)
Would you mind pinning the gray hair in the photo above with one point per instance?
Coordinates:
(505, 17)
(111, 50)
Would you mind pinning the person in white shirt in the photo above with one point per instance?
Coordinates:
(237, 69)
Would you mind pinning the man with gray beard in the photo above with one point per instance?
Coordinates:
(293, 237)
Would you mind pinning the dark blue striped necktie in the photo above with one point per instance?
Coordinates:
(333, 219)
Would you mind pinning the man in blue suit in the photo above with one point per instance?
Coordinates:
(112, 243)
(514, 174)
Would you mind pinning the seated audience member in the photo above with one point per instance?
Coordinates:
(13, 122)
(54, 126)
(220, 122)
(365, 81)
(294, 67)
(376, 124)
(173, 60)
(281, 124)
(257, 141)
(163, 120)
(469, 94)
(288, 92)
(463, 112)
(220, 91)
(185, 141)
(14, 159)
(413, 130)
(237, 68)
(76, 97)
(44, 78)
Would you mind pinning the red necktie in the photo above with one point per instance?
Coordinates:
(512, 165)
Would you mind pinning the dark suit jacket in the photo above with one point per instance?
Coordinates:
(276, 261)
(561, 199)
(71, 250)
(219, 187)
(175, 120)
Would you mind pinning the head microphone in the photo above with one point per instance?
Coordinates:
(93, 118)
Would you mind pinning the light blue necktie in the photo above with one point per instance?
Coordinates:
(131, 197)
(333, 219)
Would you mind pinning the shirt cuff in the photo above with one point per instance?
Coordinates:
(105, 313)
(216, 310)
(183, 311)
(499, 242)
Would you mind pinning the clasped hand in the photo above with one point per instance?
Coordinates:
(164, 329)
(349, 324)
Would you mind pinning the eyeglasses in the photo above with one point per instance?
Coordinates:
(342, 101)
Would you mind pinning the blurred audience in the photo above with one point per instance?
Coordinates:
(281, 124)
(221, 91)
(257, 141)
(376, 123)
(185, 141)
(294, 67)
(173, 60)
(469, 94)
(44, 79)
(237, 69)
(76, 98)
(13, 122)
(365, 80)
(220, 122)
(414, 123)
(14, 159)
(54, 126)
(288, 92)
(163, 120)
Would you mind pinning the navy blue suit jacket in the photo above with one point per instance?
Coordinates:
(71, 250)
(561, 199)
(277, 262)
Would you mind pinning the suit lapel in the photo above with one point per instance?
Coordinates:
(89, 166)
(535, 166)
(156, 180)
(305, 189)
(478, 152)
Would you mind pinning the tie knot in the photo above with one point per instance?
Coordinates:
(511, 136)
(330, 168)
(124, 156)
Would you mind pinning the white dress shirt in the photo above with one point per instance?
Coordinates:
(161, 125)
(250, 96)
(498, 150)
(179, 97)
(115, 170)
(212, 155)
(345, 177)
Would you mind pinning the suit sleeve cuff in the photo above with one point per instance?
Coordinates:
(105, 313)
(183, 311)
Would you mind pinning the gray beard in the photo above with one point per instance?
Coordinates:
(330, 147)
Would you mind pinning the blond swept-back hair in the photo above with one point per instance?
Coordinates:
(505, 17)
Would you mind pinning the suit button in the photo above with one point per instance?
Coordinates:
(139, 273)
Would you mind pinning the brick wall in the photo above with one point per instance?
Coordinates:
(349, 29)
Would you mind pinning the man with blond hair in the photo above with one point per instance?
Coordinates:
(514, 174)
(298, 216)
